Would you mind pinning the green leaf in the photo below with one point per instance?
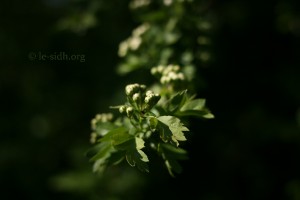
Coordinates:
(153, 122)
(116, 157)
(135, 156)
(171, 129)
(196, 108)
(101, 158)
(103, 128)
(177, 101)
(118, 143)
(140, 143)
(105, 149)
(196, 104)
(138, 158)
(117, 136)
(171, 156)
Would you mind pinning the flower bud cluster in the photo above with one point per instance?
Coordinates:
(134, 89)
(168, 74)
(151, 98)
(139, 3)
(99, 118)
(126, 109)
(139, 99)
(134, 41)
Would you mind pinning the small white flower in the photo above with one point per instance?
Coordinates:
(180, 76)
(168, 2)
(172, 75)
(167, 70)
(165, 79)
(134, 43)
(160, 68)
(93, 123)
(93, 137)
(123, 48)
(176, 68)
(139, 3)
(109, 116)
(98, 117)
(154, 71)
(140, 30)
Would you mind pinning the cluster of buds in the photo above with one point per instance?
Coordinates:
(139, 3)
(139, 99)
(133, 42)
(126, 109)
(168, 74)
(98, 119)
(101, 118)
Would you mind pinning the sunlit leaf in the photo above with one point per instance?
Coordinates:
(171, 129)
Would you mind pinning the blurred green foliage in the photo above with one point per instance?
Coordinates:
(250, 151)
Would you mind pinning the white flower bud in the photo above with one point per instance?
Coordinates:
(172, 75)
(123, 48)
(176, 68)
(151, 100)
(160, 69)
(136, 96)
(142, 87)
(168, 2)
(98, 117)
(147, 99)
(140, 30)
(122, 109)
(93, 124)
(149, 93)
(93, 137)
(131, 89)
(180, 76)
(154, 71)
(129, 111)
(109, 116)
(165, 79)
(167, 70)
(134, 43)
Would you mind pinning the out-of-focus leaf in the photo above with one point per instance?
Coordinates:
(104, 127)
(171, 155)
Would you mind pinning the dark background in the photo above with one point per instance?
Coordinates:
(249, 151)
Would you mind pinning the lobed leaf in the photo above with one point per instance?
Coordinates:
(171, 129)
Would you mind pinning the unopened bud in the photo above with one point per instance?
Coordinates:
(129, 111)
(136, 97)
(143, 88)
(131, 89)
(122, 109)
